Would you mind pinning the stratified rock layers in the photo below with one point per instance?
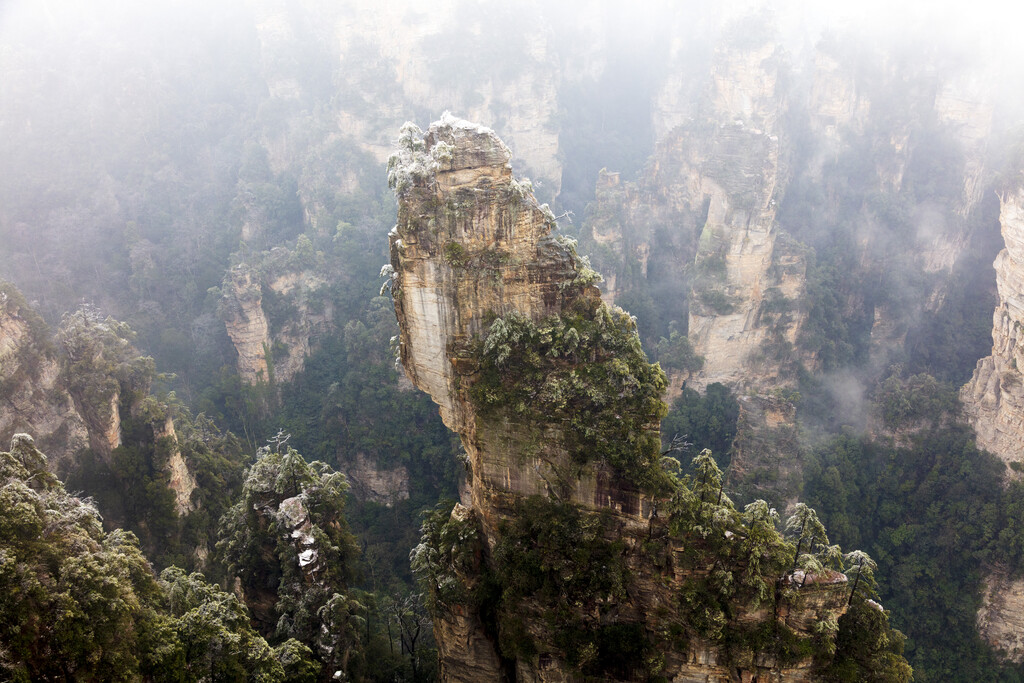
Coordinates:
(472, 247)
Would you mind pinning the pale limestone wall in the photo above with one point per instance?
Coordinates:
(246, 323)
(1001, 616)
(994, 398)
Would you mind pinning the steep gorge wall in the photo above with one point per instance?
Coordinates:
(846, 146)
(994, 398)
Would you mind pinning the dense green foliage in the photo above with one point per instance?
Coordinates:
(559, 574)
(83, 604)
(100, 366)
(677, 353)
(935, 513)
(448, 556)
(587, 371)
(705, 421)
(562, 566)
(287, 541)
(139, 466)
(348, 404)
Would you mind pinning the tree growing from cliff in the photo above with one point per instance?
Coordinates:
(862, 568)
(807, 529)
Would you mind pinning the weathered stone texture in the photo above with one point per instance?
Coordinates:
(1001, 616)
(33, 400)
(376, 484)
(994, 398)
(246, 323)
(471, 244)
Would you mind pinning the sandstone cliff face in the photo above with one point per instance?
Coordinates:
(246, 324)
(32, 400)
(744, 268)
(994, 398)
(257, 338)
(748, 279)
(476, 275)
(182, 482)
(370, 482)
(993, 402)
(296, 333)
(1001, 617)
(437, 305)
(705, 208)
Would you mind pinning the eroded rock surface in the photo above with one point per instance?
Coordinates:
(994, 398)
(476, 275)
(1001, 616)
(69, 393)
(32, 399)
(376, 484)
(182, 482)
(243, 316)
(272, 340)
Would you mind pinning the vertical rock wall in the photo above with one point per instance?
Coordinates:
(246, 324)
(994, 398)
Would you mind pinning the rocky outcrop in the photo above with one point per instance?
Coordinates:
(766, 457)
(104, 374)
(716, 180)
(181, 480)
(377, 485)
(436, 305)
(749, 282)
(994, 398)
(71, 395)
(242, 312)
(32, 398)
(273, 338)
(1001, 616)
(557, 409)
(993, 402)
